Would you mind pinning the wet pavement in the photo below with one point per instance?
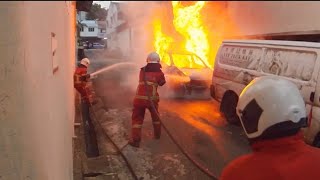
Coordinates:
(194, 121)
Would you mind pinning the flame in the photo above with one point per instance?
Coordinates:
(174, 79)
(187, 22)
(162, 42)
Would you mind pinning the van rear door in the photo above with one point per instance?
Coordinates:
(297, 64)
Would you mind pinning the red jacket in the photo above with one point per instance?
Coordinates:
(80, 84)
(154, 78)
(287, 158)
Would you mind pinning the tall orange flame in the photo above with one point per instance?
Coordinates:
(162, 42)
(187, 22)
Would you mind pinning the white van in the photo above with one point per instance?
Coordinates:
(239, 61)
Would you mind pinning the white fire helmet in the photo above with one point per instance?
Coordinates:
(153, 58)
(85, 62)
(271, 105)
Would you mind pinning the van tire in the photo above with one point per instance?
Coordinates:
(228, 107)
(316, 141)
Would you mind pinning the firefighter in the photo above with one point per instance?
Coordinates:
(272, 113)
(151, 76)
(81, 81)
(83, 86)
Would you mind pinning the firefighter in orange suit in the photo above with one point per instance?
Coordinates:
(83, 86)
(150, 78)
(272, 113)
(81, 80)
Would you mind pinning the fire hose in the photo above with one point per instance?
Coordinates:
(114, 144)
(198, 165)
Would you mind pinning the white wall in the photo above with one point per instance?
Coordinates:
(263, 17)
(86, 33)
(123, 41)
(112, 23)
(82, 15)
(91, 24)
(36, 106)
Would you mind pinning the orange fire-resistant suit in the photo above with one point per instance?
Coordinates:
(81, 84)
(154, 77)
(287, 158)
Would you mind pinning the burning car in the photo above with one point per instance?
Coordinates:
(186, 72)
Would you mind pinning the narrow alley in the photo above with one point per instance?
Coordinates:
(159, 90)
(202, 131)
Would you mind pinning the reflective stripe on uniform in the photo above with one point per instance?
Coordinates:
(149, 83)
(77, 79)
(137, 126)
(146, 97)
(154, 91)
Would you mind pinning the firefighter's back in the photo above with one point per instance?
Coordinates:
(284, 159)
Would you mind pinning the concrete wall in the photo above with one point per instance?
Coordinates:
(263, 17)
(36, 105)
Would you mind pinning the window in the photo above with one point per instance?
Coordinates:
(91, 29)
(81, 29)
(284, 62)
(241, 56)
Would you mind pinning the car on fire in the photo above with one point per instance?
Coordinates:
(186, 73)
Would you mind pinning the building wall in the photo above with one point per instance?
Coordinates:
(112, 16)
(36, 105)
(265, 17)
(116, 39)
(82, 15)
(112, 11)
(98, 32)
(123, 41)
(87, 33)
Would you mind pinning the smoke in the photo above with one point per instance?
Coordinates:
(140, 16)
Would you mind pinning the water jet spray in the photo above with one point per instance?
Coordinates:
(108, 68)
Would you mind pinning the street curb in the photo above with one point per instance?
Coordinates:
(101, 116)
(115, 166)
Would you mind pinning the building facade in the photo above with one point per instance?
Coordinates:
(118, 33)
(92, 30)
(128, 27)
(82, 15)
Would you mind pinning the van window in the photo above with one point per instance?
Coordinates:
(289, 63)
(241, 56)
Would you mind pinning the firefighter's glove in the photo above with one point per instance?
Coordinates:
(85, 77)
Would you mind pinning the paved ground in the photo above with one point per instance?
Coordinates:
(195, 122)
